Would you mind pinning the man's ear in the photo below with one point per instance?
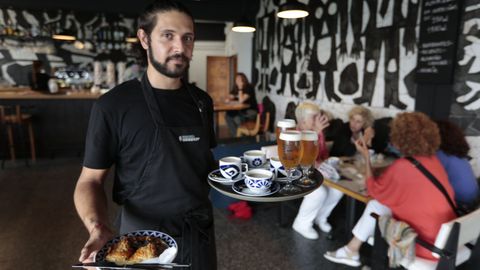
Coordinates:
(143, 38)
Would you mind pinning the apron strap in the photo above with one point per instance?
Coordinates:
(194, 222)
(200, 105)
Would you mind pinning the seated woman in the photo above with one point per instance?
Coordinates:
(453, 155)
(403, 190)
(242, 92)
(316, 206)
(360, 122)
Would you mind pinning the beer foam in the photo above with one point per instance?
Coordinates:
(286, 123)
(290, 135)
(309, 135)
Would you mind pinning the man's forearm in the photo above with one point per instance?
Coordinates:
(91, 204)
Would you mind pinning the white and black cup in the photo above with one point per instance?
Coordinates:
(258, 180)
(255, 158)
(232, 167)
(277, 168)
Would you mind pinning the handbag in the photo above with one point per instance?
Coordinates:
(459, 211)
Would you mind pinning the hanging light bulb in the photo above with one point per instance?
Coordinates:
(64, 36)
(292, 9)
(243, 26)
(131, 39)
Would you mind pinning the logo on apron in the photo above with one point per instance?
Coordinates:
(188, 138)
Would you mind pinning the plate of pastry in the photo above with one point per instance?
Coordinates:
(143, 246)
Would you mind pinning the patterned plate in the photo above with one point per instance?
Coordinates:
(240, 188)
(216, 176)
(102, 253)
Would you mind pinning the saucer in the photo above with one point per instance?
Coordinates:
(240, 188)
(297, 174)
(216, 176)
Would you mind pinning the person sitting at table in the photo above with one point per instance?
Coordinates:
(453, 155)
(242, 92)
(316, 206)
(402, 190)
(360, 123)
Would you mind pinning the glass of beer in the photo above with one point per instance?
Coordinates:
(309, 155)
(283, 125)
(290, 152)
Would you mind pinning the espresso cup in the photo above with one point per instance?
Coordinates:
(258, 180)
(276, 167)
(254, 158)
(232, 167)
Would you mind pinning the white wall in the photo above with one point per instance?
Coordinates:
(198, 66)
(239, 44)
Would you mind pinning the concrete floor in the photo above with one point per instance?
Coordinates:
(40, 228)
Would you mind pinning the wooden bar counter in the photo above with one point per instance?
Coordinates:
(26, 93)
(60, 120)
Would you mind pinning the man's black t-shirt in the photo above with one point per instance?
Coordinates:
(121, 129)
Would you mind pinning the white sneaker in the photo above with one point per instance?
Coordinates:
(343, 256)
(324, 225)
(307, 232)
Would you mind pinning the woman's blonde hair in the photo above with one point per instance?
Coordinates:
(414, 134)
(365, 113)
(306, 108)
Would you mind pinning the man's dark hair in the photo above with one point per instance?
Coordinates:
(147, 20)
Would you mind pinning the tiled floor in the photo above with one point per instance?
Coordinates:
(40, 228)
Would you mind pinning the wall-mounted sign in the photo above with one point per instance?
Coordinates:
(438, 39)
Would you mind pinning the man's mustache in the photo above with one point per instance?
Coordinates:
(179, 56)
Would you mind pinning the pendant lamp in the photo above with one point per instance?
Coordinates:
(64, 35)
(292, 9)
(243, 26)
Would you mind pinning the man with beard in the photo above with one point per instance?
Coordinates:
(158, 132)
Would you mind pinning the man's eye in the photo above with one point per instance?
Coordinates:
(188, 39)
(168, 35)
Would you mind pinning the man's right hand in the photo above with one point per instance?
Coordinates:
(99, 236)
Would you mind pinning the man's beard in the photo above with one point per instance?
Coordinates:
(177, 72)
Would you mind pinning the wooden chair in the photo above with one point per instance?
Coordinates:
(255, 127)
(457, 243)
(11, 117)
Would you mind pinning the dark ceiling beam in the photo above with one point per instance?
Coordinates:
(215, 10)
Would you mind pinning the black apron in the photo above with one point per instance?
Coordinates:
(172, 194)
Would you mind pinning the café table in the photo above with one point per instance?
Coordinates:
(223, 107)
(352, 183)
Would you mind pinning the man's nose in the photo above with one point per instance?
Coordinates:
(178, 45)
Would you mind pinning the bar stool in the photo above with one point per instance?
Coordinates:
(11, 117)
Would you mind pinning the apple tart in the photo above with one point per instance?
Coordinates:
(135, 249)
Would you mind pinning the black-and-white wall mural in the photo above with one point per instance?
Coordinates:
(349, 52)
(465, 109)
(345, 51)
(26, 36)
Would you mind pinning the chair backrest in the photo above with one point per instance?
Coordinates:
(6, 113)
(469, 230)
(265, 122)
(269, 106)
(2, 114)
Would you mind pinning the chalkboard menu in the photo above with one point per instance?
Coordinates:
(438, 40)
